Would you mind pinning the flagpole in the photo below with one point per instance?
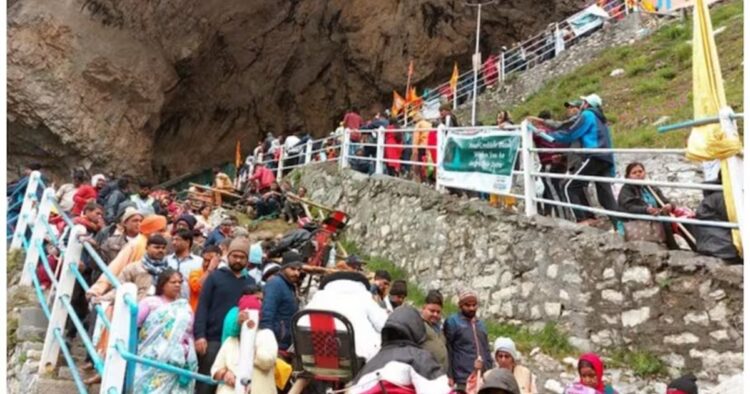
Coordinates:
(475, 65)
(406, 95)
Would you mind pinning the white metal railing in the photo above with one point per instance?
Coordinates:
(527, 170)
(527, 54)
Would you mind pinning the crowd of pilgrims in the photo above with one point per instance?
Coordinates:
(198, 273)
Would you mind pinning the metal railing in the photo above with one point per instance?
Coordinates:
(524, 56)
(117, 368)
(526, 171)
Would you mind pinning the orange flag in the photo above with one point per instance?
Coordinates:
(398, 103)
(454, 78)
(413, 99)
(238, 155)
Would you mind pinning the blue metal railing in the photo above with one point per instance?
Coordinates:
(130, 354)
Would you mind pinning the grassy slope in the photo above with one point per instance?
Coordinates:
(657, 81)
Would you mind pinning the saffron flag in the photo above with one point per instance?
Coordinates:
(398, 103)
(238, 155)
(454, 78)
(412, 99)
(713, 141)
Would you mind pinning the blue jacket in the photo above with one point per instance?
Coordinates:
(220, 292)
(214, 238)
(279, 305)
(591, 130)
(462, 350)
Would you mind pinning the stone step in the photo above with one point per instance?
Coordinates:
(54, 386)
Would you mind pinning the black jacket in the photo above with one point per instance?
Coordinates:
(220, 292)
(714, 241)
(631, 199)
(403, 334)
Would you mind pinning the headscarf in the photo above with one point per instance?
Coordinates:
(95, 179)
(598, 365)
(231, 326)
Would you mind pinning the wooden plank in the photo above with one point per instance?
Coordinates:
(216, 190)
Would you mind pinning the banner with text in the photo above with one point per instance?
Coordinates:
(482, 162)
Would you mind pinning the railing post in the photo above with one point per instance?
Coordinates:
(735, 166)
(114, 364)
(344, 163)
(529, 186)
(380, 150)
(308, 151)
(37, 234)
(24, 215)
(501, 66)
(59, 314)
(280, 166)
(439, 159)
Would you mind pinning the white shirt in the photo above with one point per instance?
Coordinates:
(184, 266)
(290, 144)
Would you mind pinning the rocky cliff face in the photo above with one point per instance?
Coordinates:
(159, 88)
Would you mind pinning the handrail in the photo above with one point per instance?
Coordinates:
(69, 360)
(163, 366)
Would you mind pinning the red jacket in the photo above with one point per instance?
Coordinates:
(84, 194)
(264, 176)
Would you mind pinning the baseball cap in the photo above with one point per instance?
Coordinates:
(593, 99)
(355, 262)
(573, 103)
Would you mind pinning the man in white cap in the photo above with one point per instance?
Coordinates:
(590, 129)
(130, 227)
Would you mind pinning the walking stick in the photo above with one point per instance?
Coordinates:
(682, 228)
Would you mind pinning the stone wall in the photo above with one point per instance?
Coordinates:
(605, 292)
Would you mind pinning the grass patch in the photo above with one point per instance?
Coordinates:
(642, 363)
(11, 335)
(657, 81)
(550, 339)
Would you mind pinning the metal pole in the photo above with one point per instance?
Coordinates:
(476, 68)
(529, 185)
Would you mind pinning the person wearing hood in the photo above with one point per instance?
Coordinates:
(683, 385)
(346, 293)
(402, 365)
(186, 221)
(256, 261)
(506, 357)
(590, 129)
(591, 373)
(468, 345)
(714, 241)
(499, 381)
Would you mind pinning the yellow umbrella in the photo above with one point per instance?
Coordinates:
(712, 141)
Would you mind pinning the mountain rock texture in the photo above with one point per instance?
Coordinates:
(159, 88)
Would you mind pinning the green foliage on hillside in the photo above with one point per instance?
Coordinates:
(657, 81)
